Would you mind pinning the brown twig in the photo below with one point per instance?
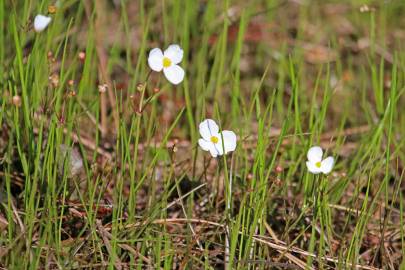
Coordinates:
(104, 235)
(288, 255)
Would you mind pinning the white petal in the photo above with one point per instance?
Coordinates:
(229, 140)
(327, 165)
(174, 73)
(313, 168)
(205, 145)
(208, 146)
(41, 22)
(315, 154)
(214, 152)
(174, 53)
(155, 59)
(209, 128)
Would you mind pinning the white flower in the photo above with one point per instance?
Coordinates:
(212, 139)
(41, 22)
(168, 62)
(315, 164)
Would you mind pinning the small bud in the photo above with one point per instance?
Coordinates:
(94, 167)
(249, 176)
(107, 145)
(277, 182)
(176, 141)
(54, 80)
(71, 82)
(62, 120)
(174, 149)
(102, 88)
(140, 87)
(51, 9)
(82, 56)
(50, 55)
(17, 101)
(156, 90)
(364, 8)
(132, 96)
(72, 93)
(279, 169)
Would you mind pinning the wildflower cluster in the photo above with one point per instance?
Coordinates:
(212, 139)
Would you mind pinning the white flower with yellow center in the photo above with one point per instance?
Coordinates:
(212, 139)
(41, 22)
(168, 62)
(315, 164)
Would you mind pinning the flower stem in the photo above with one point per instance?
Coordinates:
(228, 195)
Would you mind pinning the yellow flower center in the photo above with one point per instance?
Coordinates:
(318, 164)
(214, 139)
(166, 62)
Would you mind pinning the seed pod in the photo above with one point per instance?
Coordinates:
(102, 88)
(82, 56)
(51, 9)
(54, 80)
(17, 101)
(140, 87)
